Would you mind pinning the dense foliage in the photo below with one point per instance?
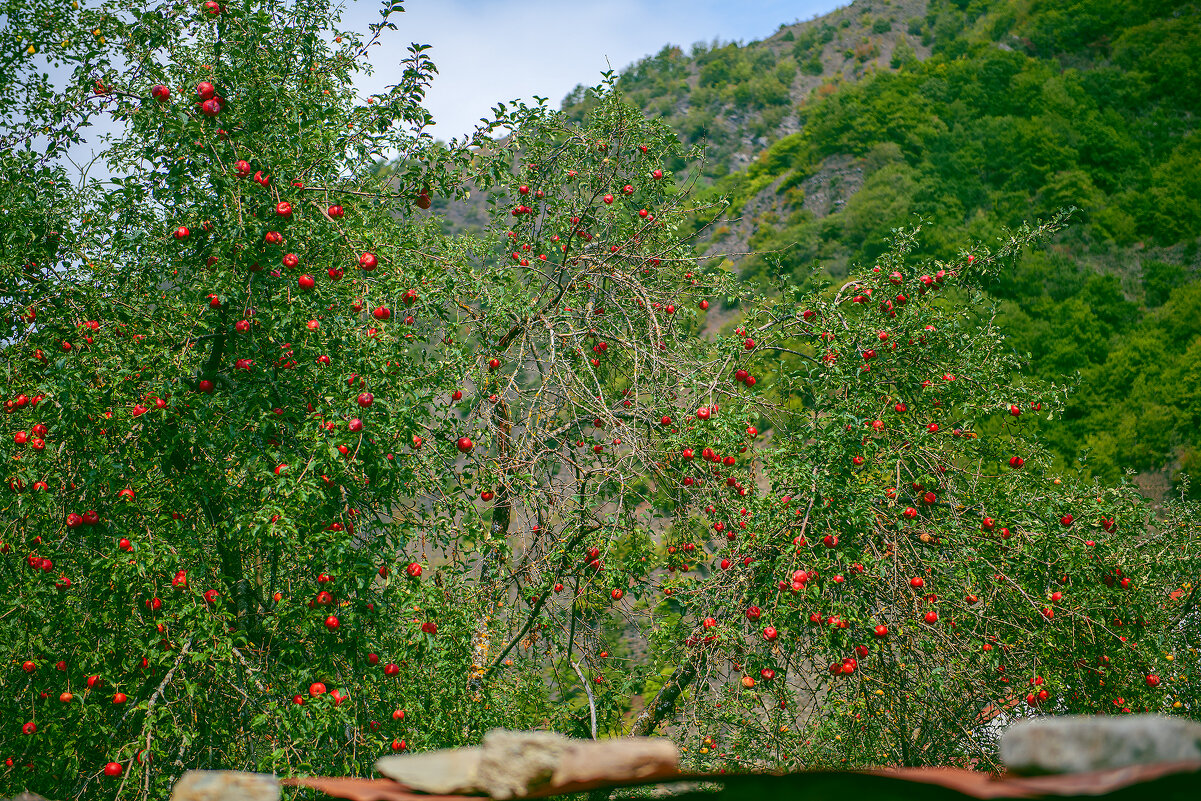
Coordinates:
(1023, 109)
(294, 479)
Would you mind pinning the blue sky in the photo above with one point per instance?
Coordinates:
(498, 50)
(494, 50)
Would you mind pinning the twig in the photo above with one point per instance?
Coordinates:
(588, 690)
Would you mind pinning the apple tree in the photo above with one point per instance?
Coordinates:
(913, 572)
(293, 479)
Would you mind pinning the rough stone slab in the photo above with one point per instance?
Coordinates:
(225, 785)
(1080, 744)
(438, 772)
(620, 759)
(514, 764)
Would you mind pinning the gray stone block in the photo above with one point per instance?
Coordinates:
(1080, 744)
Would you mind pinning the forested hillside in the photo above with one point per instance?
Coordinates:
(973, 117)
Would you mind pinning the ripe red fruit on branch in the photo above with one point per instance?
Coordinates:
(930, 617)
(365, 399)
(160, 93)
(880, 631)
(464, 445)
(332, 623)
(414, 569)
(306, 282)
(113, 769)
